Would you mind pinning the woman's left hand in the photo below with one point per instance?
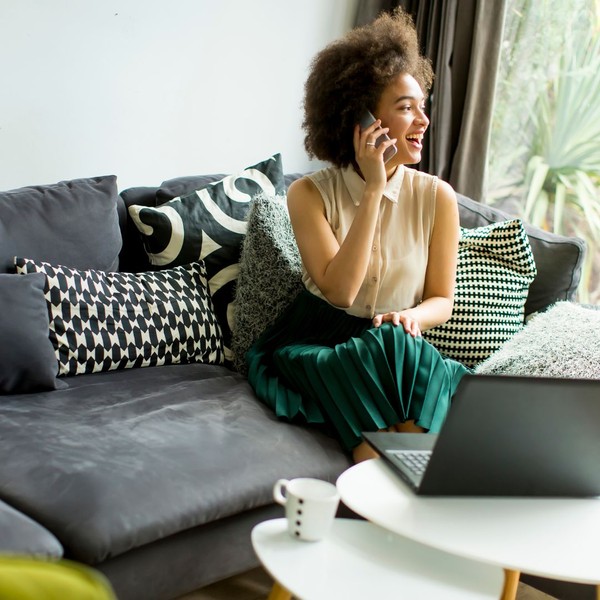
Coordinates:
(410, 324)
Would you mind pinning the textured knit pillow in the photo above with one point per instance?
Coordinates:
(495, 269)
(102, 321)
(564, 341)
(270, 273)
(209, 225)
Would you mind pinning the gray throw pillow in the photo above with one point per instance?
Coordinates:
(564, 341)
(270, 273)
(27, 359)
(72, 223)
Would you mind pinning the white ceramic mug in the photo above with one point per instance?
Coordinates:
(310, 506)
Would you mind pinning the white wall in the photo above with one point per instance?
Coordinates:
(153, 89)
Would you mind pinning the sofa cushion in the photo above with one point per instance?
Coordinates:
(559, 259)
(270, 273)
(141, 454)
(27, 359)
(209, 224)
(72, 223)
(104, 321)
(495, 269)
(21, 535)
(564, 341)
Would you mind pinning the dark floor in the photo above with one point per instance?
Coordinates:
(255, 585)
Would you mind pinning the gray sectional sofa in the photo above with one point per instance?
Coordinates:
(154, 475)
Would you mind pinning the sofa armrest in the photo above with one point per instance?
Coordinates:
(21, 535)
(559, 259)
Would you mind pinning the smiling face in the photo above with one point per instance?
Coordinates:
(402, 109)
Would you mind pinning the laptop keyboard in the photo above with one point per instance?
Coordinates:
(415, 460)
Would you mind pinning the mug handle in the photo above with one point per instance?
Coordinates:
(278, 488)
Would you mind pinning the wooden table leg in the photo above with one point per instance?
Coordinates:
(278, 592)
(511, 582)
(598, 592)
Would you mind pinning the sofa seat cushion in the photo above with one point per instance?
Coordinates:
(21, 535)
(123, 458)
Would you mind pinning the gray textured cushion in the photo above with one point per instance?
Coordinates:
(270, 273)
(71, 223)
(21, 535)
(27, 359)
(559, 259)
(124, 458)
(564, 341)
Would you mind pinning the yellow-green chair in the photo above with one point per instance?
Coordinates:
(24, 578)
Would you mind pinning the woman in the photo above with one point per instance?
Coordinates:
(378, 243)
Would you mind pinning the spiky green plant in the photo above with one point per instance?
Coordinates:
(563, 173)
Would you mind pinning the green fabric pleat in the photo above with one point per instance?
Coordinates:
(317, 364)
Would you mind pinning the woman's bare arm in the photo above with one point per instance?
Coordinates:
(339, 270)
(440, 277)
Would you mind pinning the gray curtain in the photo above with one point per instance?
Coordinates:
(463, 40)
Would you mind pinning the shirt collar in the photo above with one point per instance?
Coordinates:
(356, 184)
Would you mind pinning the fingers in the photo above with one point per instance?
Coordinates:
(412, 327)
(410, 324)
(370, 138)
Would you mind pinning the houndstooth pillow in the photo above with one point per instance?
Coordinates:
(495, 268)
(100, 321)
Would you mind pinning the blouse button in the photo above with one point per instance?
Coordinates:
(374, 279)
(368, 307)
(374, 248)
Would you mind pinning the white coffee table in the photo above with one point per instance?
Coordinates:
(549, 537)
(359, 560)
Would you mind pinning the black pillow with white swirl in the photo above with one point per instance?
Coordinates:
(209, 225)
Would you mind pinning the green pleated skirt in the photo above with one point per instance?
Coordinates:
(319, 365)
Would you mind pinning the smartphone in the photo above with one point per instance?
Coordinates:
(365, 120)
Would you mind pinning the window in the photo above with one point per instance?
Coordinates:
(544, 157)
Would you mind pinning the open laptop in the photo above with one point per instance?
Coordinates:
(506, 436)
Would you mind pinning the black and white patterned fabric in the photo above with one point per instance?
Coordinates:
(209, 225)
(100, 321)
(495, 268)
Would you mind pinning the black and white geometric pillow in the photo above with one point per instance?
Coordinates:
(495, 269)
(209, 225)
(100, 321)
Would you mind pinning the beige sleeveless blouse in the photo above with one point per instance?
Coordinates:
(396, 274)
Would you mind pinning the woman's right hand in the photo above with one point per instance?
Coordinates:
(370, 157)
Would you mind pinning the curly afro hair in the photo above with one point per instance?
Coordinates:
(350, 75)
